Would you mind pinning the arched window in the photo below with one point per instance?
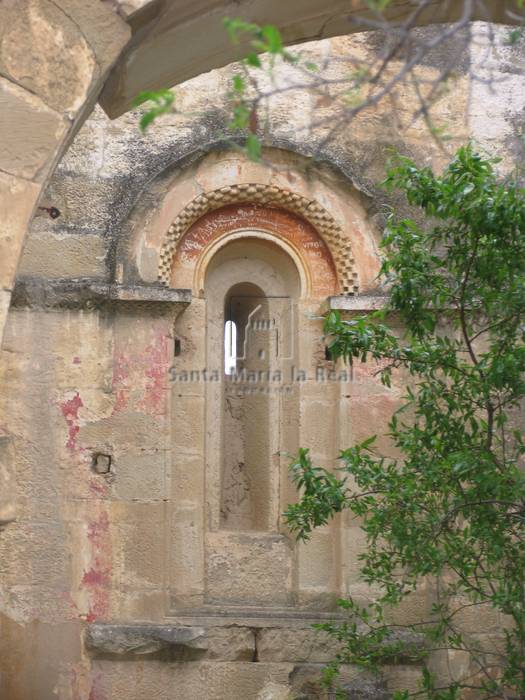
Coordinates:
(250, 326)
(253, 325)
(251, 289)
(230, 347)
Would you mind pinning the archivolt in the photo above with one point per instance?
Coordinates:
(311, 210)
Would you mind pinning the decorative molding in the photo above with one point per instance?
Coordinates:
(269, 195)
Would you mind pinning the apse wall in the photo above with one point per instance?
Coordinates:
(119, 579)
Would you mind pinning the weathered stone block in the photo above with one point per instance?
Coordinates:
(187, 475)
(366, 689)
(87, 205)
(56, 256)
(44, 51)
(5, 300)
(140, 477)
(321, 433)
(30, 132)
(127, 431)
(143, 555)
(248, 568)
(305, 681)
(17, 199)
(231, 644)
(124, 640)
(86, 156)
(297, 645)
(187, 425)
(186, 559)
(316, 558)
(402, 677)
(105, 32)
(226, 681)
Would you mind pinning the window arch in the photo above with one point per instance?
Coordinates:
(261, 284)
(251, 288)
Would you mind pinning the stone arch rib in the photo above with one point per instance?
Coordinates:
(311, 210)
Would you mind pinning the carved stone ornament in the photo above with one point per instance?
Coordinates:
(270, 195)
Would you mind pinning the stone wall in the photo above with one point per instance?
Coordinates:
(100, 567)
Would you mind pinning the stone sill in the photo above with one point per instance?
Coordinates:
(241, 640)
(87, 293)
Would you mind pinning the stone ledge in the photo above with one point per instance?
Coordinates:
(235, 642)
(88, 293)
(360, 302)
(123, 640)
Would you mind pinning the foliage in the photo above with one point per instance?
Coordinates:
(162, 100)
(451, 509)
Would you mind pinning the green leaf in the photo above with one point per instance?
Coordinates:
(163, 101)
(238, 83)
(253, 147)
(252, 59)
(273, 38)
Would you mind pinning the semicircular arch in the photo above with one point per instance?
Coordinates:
(314, 231)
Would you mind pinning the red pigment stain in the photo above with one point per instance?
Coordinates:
(70, 412)
(97, 578)
(120, 368)
(97, 488)
(97, 691)
(157, 373)
(98, 528)
(76, 360)
(121, 373)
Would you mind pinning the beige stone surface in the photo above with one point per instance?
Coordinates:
(231, 644)
(160, 681)
(128, 7)
(101, 27)
(50, 255)
(43, 50)
(274, 691)
(248, 569)
(17, 201)
(295, 645)
(5, 300)
(30, 132)
(8, 506)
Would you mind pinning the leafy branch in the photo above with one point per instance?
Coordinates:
(451, 508)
